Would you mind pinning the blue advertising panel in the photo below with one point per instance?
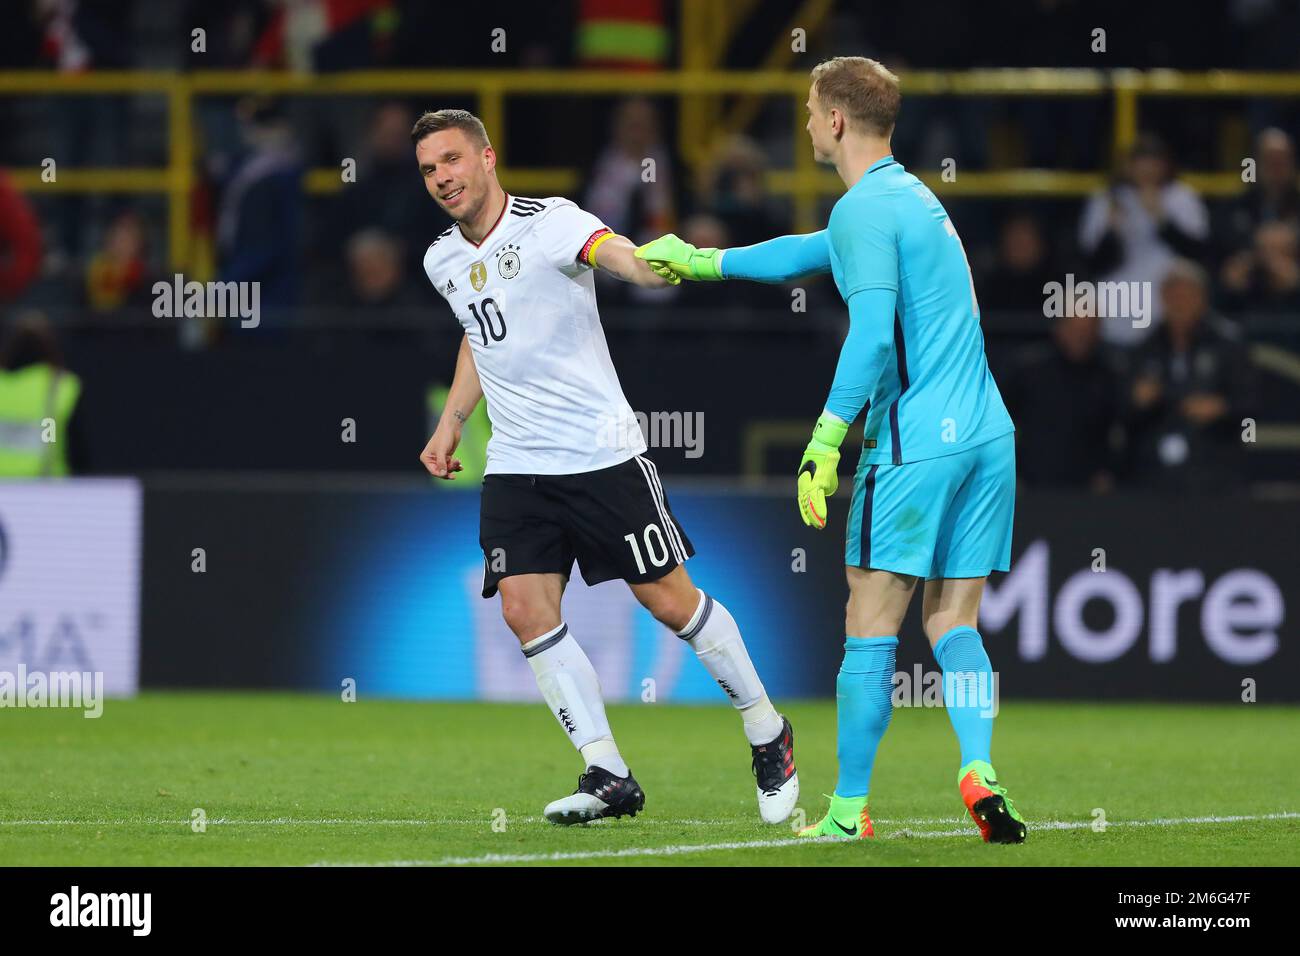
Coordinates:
(1137, 598)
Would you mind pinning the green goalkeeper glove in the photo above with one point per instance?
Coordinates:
(817, 476)
(675, 259)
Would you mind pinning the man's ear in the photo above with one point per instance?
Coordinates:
(489, 159)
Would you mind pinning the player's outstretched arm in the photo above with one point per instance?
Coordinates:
(776, 260)
(617, 255)
(862, 358)
(462, 398)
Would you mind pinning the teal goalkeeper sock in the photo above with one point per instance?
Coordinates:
(864, 698)
(968, 691)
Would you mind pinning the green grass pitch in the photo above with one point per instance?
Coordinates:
(302, 779)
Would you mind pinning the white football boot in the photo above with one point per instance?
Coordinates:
(599, 794)
(778, 783)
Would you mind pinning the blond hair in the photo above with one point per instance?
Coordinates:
(862, 89)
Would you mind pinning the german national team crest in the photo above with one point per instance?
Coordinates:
(478, 275)
(508, 261)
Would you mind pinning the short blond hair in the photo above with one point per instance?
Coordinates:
(862, 89)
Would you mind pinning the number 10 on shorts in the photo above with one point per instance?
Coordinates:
(658, 555)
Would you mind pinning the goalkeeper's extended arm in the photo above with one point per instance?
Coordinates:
(776, 260)
(863, 357)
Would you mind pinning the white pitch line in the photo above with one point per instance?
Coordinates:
(557, 857)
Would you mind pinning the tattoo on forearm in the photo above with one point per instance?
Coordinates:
(459, 415)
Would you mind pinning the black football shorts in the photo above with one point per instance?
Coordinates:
(615, 522)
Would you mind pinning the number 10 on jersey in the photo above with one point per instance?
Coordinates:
(489, 321)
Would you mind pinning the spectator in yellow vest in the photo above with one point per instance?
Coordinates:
(38, 399)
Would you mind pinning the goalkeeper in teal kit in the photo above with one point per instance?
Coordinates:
(934, 493)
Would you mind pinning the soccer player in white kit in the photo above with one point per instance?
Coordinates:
(518, 274)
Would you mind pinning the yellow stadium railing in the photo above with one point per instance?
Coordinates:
(803, 182)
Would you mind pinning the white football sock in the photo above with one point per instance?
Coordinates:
(569, 684)
(713, 635)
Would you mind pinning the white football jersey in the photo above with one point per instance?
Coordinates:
(526, 298)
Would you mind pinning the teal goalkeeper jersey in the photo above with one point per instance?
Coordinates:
(935, 394)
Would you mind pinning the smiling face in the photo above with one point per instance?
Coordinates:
(457, 174)
(823, 127)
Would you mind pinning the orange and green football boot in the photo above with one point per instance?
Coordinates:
(847, 819)
(989, 805)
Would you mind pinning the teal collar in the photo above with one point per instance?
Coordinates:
(878, 164)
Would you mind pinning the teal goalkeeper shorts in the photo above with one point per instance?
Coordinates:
(946, 517)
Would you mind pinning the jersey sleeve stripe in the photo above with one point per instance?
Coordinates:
(442, 235)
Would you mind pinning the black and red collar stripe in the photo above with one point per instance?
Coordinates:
(504, 206)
